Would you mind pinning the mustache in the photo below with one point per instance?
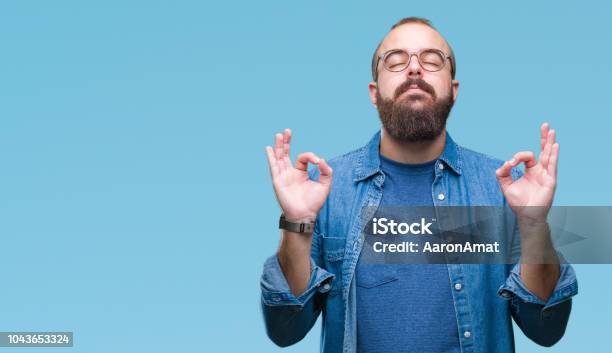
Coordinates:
(416, 81)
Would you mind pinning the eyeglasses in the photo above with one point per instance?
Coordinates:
(397, 60)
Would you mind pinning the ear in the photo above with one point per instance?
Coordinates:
(372, 88)
(455, 89)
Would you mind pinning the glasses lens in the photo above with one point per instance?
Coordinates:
(396, 60)
(431, 60)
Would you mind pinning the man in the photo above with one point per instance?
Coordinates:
(320, 267)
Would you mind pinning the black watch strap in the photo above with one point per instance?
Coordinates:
(295, 227)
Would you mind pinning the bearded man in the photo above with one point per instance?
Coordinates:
(320, 267)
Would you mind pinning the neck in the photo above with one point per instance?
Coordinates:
(411, 152)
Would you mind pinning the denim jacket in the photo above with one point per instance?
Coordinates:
(485, 296)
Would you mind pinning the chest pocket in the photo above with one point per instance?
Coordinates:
(371, 276)
(333, 254)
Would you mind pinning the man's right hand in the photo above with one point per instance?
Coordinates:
(299, 197)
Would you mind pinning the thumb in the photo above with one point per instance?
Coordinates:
(325, 177)
(504, 178)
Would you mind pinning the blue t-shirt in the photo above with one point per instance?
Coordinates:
(405, 307)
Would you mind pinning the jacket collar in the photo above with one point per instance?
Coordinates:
(368, 160)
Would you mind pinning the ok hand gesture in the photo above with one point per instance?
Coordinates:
(537, 186)
(299, 197)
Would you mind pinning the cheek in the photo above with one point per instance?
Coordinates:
(442, 85)
(443, 89)
(387, 89)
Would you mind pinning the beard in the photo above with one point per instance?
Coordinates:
(407, 123)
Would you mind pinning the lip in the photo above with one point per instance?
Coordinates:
(413, 89)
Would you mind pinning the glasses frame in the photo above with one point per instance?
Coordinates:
(410, 53)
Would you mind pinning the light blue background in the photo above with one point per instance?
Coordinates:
(135, 202)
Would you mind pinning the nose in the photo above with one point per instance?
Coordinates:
(414, 69)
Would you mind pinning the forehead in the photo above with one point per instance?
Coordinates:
(413, 36)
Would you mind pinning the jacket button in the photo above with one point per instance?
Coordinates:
(441, 166)
(440, 196)
(458, 286)
(467, 334)
(326, 286)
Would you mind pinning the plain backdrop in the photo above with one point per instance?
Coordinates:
(136, 207)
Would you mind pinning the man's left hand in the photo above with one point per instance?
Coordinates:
(537, 186)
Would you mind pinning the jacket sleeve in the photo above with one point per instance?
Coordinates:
(542, 322)
(288, 318)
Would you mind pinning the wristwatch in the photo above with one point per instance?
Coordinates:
(306, 228)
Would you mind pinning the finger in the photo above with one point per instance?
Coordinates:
(278, 146)
(543, 135)
(272, 162)
(287, 141)
(526, 157)
(545, 155)
(326, 172)
(503, 175)
(278, 150)
(302, 160)
(552, 136)
(552, 163)
(286, 145)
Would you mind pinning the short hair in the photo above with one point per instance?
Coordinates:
(403, 21)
